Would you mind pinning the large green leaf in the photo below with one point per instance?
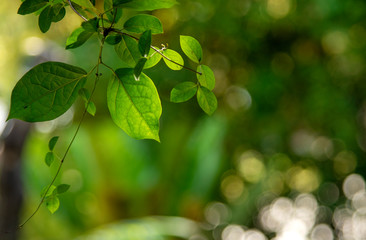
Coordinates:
(150, 5)
(46, 91)
(183, 92)
(207, 77)
(134, 105)
(175, 57)
(30, 6)
(192, 48)
(128, 51)
(77, 38)
(45, 19)
(207, 100)
(143, 22)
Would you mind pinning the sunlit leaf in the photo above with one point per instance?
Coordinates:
(45, 19)
(62, 188)
(52, 143)
(77, 38)
(143, 22)
(192, 48)
(46, 91)
(183, 92)
(128, 51)
(134, 105)
(145, 43)
(30, 6)
(52, 203)
(50, 158)
(174, 56)
(138, 68)
(150, 5)
(50, 191)
(152, 59)
(207, 100)
(207, 77)
(84, 3)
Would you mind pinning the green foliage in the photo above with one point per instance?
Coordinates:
(31, 6)
(183, 92)
(128, 51)
(138, 68)
(207, 100)
(50, 157)
(145, 43)
(134, 105)
(62, 188)
(52, 143)
(171, 55)
(84, 3)
(143, 22)
(150, 5)
(192, 48)
(207, 77)
(52, 203)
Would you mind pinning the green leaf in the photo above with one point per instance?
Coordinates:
(31, 6)
(138, 68)
(52, 203)
(192, 48)
(134, 105)
(62, 188)
(45, 19)
(150, 5)
(108, 5)
(91, 25)
(50, 157)
(128, 51)
(46, 91)
(153, 59)
(90, 107)
(77, 38)
(117, 3)
(207, 79)
(59, 15)
(84, 3)
(145, 43)
(174, 56)
(183, 92)
(113, 39)
(143, 22)
(50, 191)
(207, 100)
(52, 143)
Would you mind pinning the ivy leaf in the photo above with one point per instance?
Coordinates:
(143, 22)
(138, 68)
(31, 6)
(192, 48)
(207, 100)
(152, 59)
(145, 43)
(128, 51)
(50, 191)
(134, 105)
(52, 143)
(84, 3)
(77, 38)
(150, 5)
(46, 91)
(113, 39)
(45, 19)
(207, 79)
(174, 56)
(183, 92)
(52, 203)
(50, 157)
(117, 3)
(62, 188)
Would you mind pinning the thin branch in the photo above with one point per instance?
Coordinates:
(158, 51)
(72, 7)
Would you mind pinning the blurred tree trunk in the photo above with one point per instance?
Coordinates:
(11, 189)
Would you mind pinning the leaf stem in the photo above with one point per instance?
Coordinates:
(72, 7)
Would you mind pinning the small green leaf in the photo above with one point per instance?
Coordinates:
(91, 109)
(46, 91)
(31, 6)
(207, 78)
(52, 143)
(77, 38)
(91, 25)
(85, 95)
(134, 105)
(128, 51)
(50, 191)
(174, 56)
(52, 203)
(145, 43)
(207, 100)
(117, 3)
(108, 5)
(113, 39)
(45, 19)
(192, 48)
(84, 3)
(183, 92)
(150, 5)
(138, 68)
(50, 157)
(62, 188)
(152, 59)
(143, 22)
(60, 15)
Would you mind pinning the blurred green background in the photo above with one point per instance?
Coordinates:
(282, 158)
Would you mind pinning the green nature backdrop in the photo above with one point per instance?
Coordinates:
(282, 158)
